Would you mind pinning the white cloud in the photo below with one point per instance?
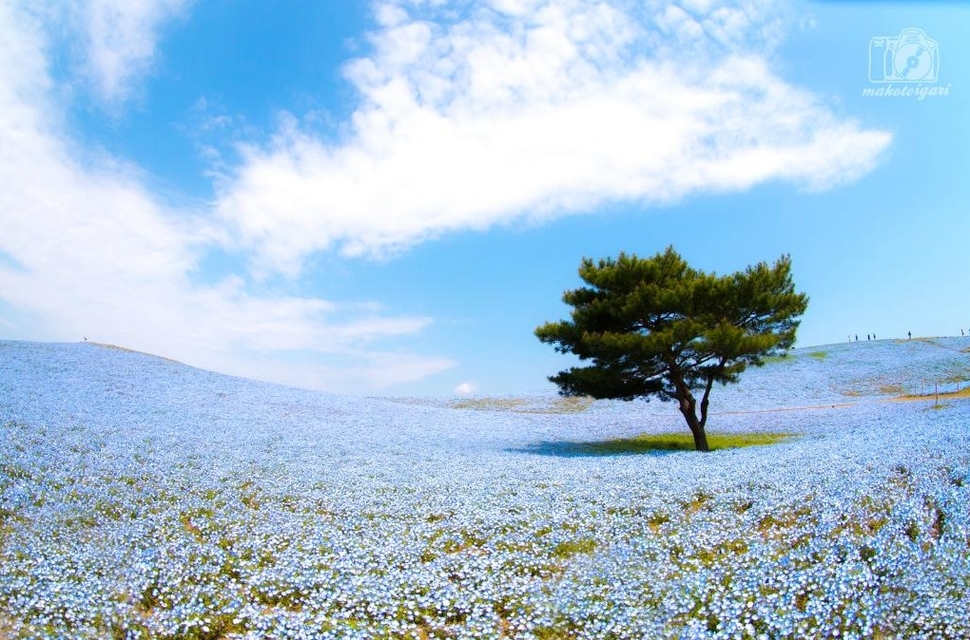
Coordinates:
(532, 110)
(466, 389)
(86, 250)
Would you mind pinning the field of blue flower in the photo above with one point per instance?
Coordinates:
(141, 498)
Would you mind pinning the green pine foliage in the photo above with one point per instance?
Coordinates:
(657, 327)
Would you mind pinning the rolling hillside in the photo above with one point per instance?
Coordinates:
(143, 498)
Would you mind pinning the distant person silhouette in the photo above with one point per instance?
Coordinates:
(910, 334)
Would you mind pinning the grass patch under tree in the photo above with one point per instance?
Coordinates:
(678, 442)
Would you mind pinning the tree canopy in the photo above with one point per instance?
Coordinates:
(657, 327)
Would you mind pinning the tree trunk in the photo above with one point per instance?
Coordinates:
(688, 404)
(688, 408)
(700, 439)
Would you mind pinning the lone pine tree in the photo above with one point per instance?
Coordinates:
(657, 327)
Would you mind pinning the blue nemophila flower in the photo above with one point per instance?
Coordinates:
(139, 497)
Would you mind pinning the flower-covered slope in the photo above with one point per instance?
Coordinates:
(143, 498)
(825, 375)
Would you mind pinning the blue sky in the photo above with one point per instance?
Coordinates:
(388, 198)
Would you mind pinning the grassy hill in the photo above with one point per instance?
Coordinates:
(143, 498)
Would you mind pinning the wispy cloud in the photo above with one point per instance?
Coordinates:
(88, 250)
(484, 113)
(120, 42)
